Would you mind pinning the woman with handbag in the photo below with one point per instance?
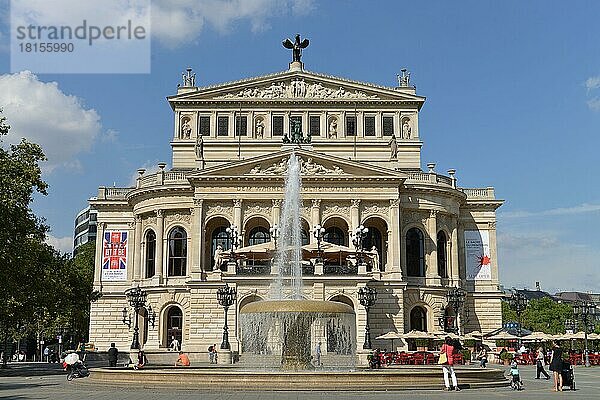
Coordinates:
(540, 362)
(447, 362)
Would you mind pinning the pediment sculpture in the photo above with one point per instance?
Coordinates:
(308, 167)
(298, 88)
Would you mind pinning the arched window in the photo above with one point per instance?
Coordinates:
(305, 237)
(177, 251)
(418, 319)
(258, 235)
(174, 325)
(442, 258)
(150, 254)
(219, 237)
(334, 235)
(415, 252)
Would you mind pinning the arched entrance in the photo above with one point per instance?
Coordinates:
(376, 238)
(173, 326)
(216, 235)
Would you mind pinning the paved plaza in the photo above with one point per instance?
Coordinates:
(41, 381)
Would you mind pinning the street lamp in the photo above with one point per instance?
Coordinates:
(226, 297)
(367, 297)
(318, 232)
(456, 299)
(359, 234)
(518, 302)
(586, 312)
(137, 299)
(274, 231)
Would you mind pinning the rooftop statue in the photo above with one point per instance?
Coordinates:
(296, 47)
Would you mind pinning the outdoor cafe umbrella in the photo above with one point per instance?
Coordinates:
(503, 336)
(390, 336)
(536, 336)
(414, 334)
(475, 335)
(579, 335)
(261, 251)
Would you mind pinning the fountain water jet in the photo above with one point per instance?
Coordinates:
(283, 324)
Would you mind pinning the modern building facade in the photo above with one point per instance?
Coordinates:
(85, 227)
(360, 149)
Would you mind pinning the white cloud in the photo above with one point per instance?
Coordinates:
(592, 83)
(594, 104)
(63, 244)
(578, 209)
(43, 114)
(176, 22)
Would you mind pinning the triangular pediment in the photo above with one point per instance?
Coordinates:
(297, 86)
(314, 165)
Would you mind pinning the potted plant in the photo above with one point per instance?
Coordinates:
(506, 357)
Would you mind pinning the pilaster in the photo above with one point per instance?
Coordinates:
(197, 240)
(394, 262)
(137, 249)
(160, 246)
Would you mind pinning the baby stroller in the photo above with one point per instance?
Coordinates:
(568, 375)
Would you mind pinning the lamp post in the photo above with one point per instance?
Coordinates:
(586, 312)
(456, 299)
(367, 297)
(518, 302)
(137, 299)
(274, 231)
(318, 232)
(234, 234)
(226, 297)
(359, 234)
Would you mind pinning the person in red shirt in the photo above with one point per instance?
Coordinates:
(183, 360)
(448, 367)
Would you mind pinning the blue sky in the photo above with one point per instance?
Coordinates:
(513, 101)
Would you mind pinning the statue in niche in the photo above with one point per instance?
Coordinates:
(406, 129)
(219, 257)
(393, 147)
(333, 128)
(199, 147)
(259, 129)
(375, 258)
(186, 129)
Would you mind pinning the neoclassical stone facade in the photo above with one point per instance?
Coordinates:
(360, 153)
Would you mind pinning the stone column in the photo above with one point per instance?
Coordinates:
(458, 236)
(378, 125)
(493, 252)
(431, 246)
(237, 216)
(213, 124)
(397, 127)
(354, 214)
(394, 249)
(197, 240)
(286, 123)
(360, 125)
(276, 210)
(341, 127)
(137, 260)
(131, 260)
(160, 227)
(99, 251)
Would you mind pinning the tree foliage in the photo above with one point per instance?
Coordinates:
(544, 315)
(41, 290)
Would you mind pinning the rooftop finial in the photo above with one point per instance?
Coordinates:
(296, 47)
(189, 79)
(404, 79)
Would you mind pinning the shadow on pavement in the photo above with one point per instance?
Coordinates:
(32, 369)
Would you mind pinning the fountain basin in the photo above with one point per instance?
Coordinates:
(301, 306)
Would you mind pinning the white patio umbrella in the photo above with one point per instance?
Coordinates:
(475, 335)
(414, 334)
(503, 336)
(390, 336)
(535, 336)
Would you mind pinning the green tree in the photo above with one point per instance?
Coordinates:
(22, 252)
(546, 315)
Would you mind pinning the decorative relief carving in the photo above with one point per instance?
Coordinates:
(433, 213)
(374, 208)
(198, 202)
(308, 167)
(150, 220)
(335, 209)
(298, 88)
(492, 225)
(131, 224)
(257, 209)
(218, 210)
(178, 217)
(316, 203)
(160, 213)
(237, 202)
(394, 202)
(409, 217)
(355, 202)
(277, 202)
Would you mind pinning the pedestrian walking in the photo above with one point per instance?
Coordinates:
(556, 366)
(447, 361)
(113, 354)
(47, 354)
(540, 362)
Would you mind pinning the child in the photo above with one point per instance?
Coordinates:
(516, 382)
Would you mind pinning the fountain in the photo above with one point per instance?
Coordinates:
(284, 324)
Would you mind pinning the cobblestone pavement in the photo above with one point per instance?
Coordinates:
(42, 381)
